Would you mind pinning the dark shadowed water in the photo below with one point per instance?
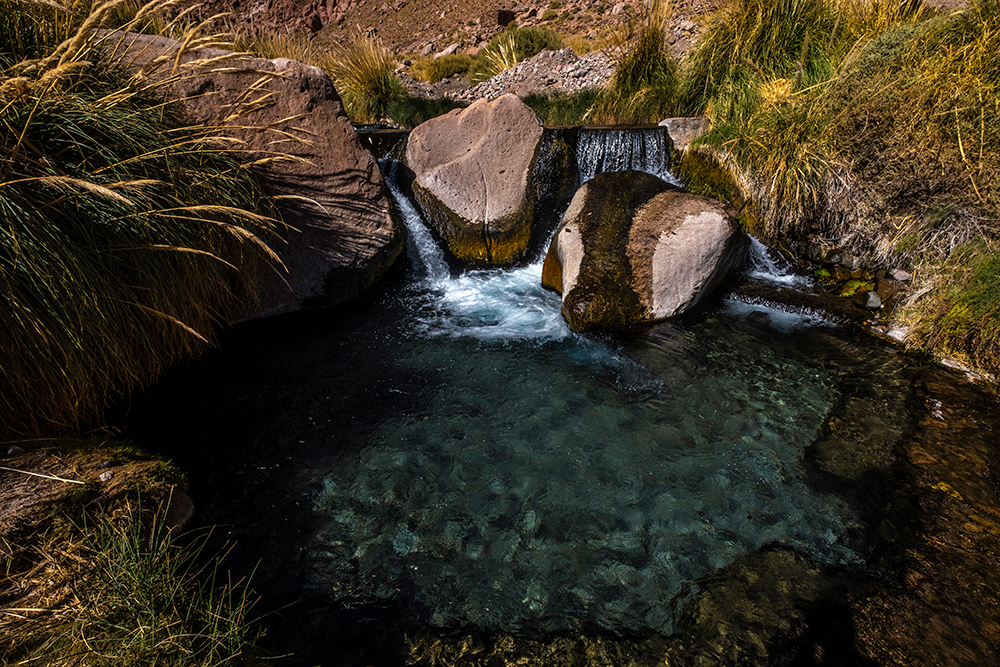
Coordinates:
(447, 458)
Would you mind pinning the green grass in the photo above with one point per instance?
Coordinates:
(140, 596)
(750, 43)
(961, 316)
(511, 47)
(644, 86)
(363, 72)
(126, 236)
(432, 69)
(408, 111)
(561, 108)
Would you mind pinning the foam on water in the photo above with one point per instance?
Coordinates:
(772, 267)
(492, 304)
(781, 317)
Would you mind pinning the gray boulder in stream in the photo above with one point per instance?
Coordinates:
(633, 248)
(472, 172)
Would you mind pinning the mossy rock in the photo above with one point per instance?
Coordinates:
(633, 248)
(472, 172)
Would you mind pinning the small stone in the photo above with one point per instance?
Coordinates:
(106, 476)
(869, 300)
(687, 25)
(427, 50)
(452, 48)
(897, 334)
(107, 463)
(900, 275)
(14, 450)
(618, 9)
(850, 262)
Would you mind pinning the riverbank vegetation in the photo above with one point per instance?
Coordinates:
(127, 234)
(870, 128)
(95, 573)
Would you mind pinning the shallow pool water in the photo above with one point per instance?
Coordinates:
(448, 457)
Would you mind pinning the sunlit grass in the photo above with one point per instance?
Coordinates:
(363, 72)
(511, 47)
(126, 235)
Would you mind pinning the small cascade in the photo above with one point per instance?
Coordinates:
(489, 304)
(423, 250)
(615, 149)
(773, 268)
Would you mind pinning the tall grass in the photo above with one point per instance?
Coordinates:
(138, 596)
(750, 43)
(511, 47)
(644, 86)
(126, 235)
(363, 72)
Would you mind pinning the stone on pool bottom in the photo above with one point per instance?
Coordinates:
(533, 496)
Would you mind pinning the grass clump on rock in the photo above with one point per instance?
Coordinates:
(408, 111)
(125, 235)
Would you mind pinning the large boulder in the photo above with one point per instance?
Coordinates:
(340, 235)
(633, 248)
(472, 177)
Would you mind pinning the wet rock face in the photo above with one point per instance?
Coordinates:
(633, 248)
(341, 236)
(472, 170)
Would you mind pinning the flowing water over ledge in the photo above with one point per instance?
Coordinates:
(447, 463)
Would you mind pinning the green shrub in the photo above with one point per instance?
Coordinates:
(432, 70)
(363, 72)
(548, 15)
(408, 111)
(511, 47)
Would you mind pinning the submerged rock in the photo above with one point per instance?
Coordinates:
(633, 248)
(472, 178)
(340, 236)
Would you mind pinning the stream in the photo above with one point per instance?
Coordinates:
(443, 467)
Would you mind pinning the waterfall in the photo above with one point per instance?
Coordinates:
(488, 304)
(612, 149)
(427, 256)
(773, 268)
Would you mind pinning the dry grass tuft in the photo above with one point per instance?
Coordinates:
(126, 235)
(120, 589)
